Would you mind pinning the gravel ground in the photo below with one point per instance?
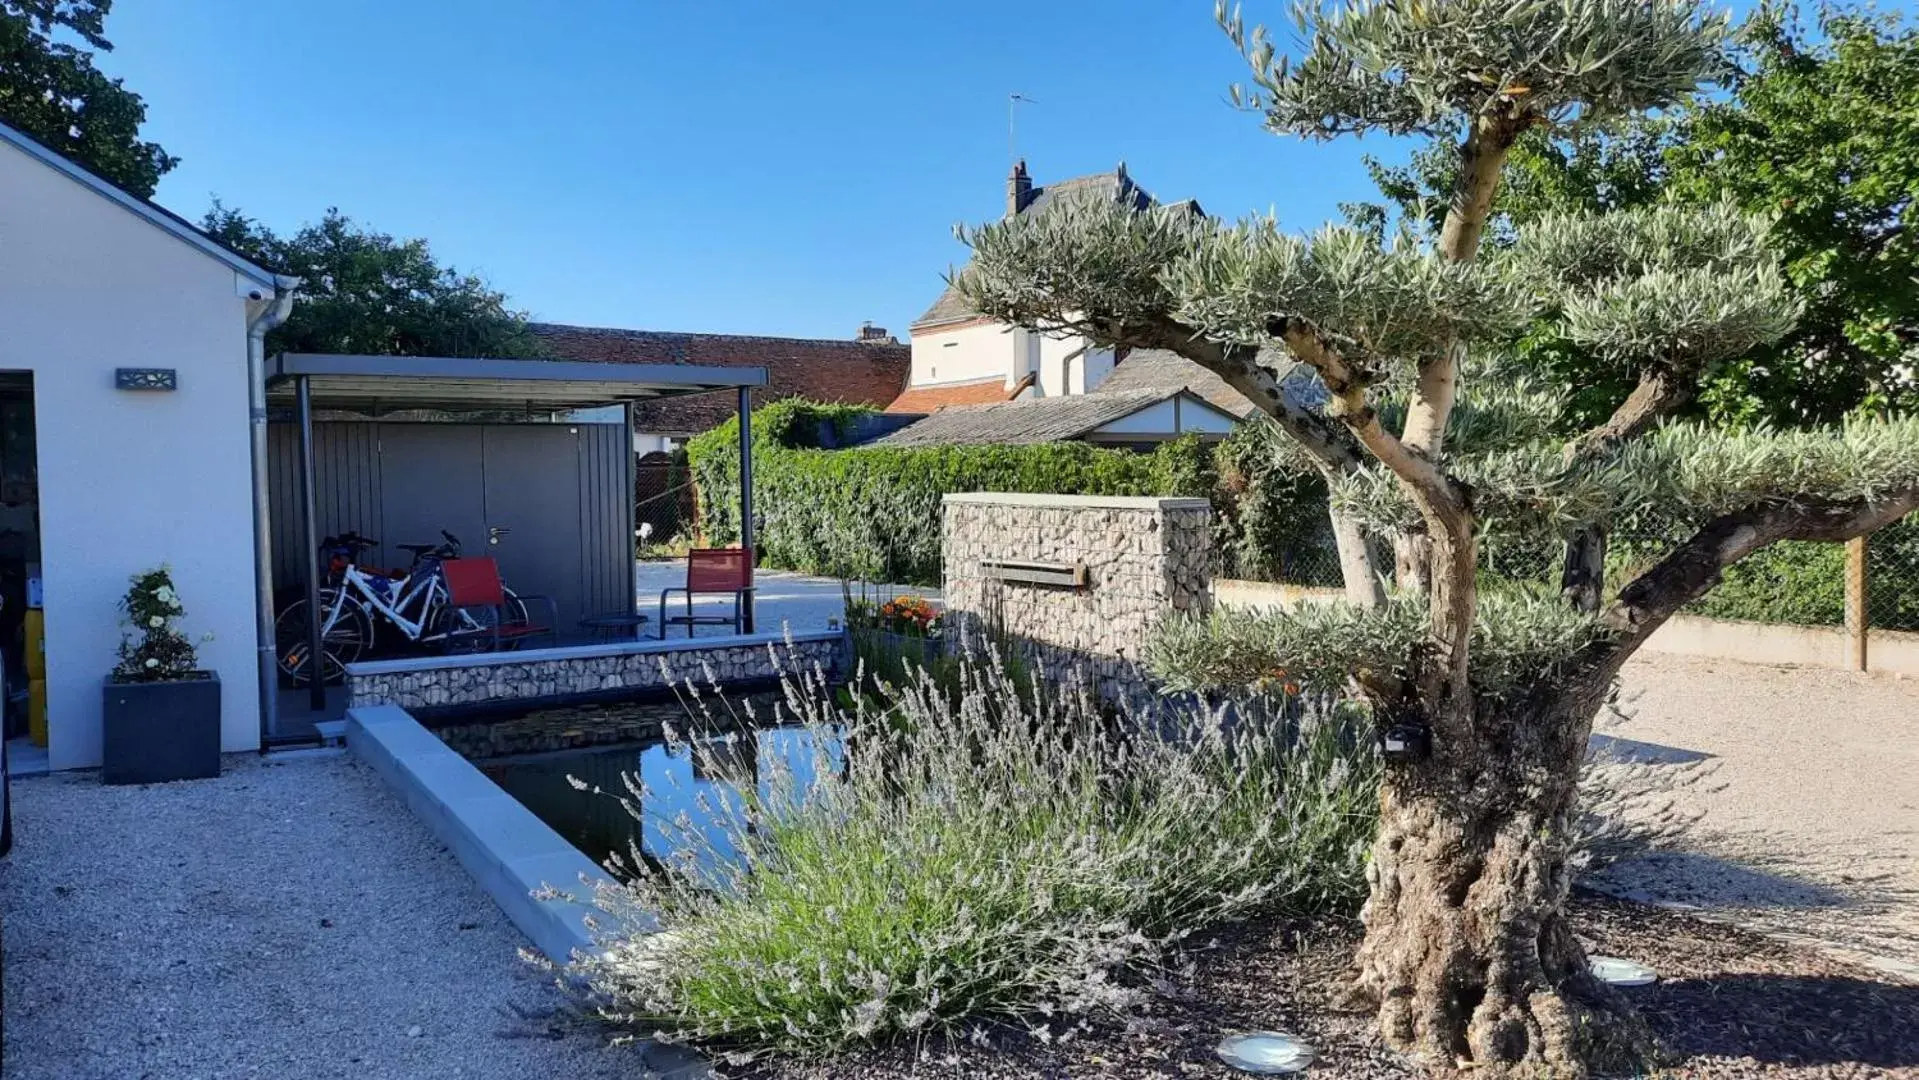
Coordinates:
(1809, 822)
(289, 919)
(1731, 1004)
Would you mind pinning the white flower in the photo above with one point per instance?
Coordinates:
(156, 622)
(152, 663)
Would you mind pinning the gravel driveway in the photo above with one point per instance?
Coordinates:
(1810, 817)
(289, 919)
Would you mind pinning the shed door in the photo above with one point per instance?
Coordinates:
(430, 479)
(533, 514)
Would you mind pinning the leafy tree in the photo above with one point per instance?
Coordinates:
(1468, 957)
(1823, 133)
(365, 293)
(1820, 130)
(50, 89)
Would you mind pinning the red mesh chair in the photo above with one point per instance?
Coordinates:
(710, 571)
(497, 618)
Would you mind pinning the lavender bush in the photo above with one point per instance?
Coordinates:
(990, 858)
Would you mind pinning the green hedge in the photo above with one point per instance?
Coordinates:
(1269, 511)
(1799, 583)
(874, 512)
(1805, 583)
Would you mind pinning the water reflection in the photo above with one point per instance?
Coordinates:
(686, 789)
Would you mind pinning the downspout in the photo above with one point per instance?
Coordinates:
(273, 314)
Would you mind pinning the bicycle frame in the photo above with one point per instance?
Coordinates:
(423, 589)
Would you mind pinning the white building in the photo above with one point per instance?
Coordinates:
(135, 431)
(93, 280)
(963, 360)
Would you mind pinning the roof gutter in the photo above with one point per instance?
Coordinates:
(274, 312)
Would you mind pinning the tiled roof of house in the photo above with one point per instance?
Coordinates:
(951, 307)
(854, 372)
(1029, 420)
(1159, 369)
(925, 399)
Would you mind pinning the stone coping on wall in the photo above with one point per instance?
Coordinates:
(1077, 502)
(648, 647)
(432, 687)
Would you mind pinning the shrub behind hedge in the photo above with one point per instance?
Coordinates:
(874, 512)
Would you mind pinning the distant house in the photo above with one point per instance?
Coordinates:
(977, 369)
(1135, 419)
(963, 358)
(870, 369)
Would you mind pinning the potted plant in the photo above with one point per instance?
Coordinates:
(161, 717)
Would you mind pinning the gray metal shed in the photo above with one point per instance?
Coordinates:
(518, 458)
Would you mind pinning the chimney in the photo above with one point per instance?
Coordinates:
(875, 335)
(1019, 189)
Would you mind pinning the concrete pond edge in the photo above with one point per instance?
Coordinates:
(517, 859)
(511, 853)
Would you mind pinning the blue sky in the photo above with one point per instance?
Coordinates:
(749, 167)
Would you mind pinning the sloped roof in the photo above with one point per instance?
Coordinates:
(925, 399)
(819, 369)
(1026, 421)
(951, 307)
(159, 216)
(1159, 369)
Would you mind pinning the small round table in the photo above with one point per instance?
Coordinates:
(617, 626)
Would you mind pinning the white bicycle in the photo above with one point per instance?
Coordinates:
(413, 603)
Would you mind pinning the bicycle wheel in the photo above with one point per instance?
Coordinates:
(342, 643)
(468, 630)
(515, 610)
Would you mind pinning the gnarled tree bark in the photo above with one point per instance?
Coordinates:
(1468, 957)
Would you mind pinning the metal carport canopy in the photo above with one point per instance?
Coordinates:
(375, 384)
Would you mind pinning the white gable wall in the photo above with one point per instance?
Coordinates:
(1062, 364)
(1182, 415)
(966, 354)
(128, 479)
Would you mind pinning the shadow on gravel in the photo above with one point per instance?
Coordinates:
(1710, 882)
(1787, 1019)
(1614, 748)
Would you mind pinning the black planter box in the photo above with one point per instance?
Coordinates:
(159, 731)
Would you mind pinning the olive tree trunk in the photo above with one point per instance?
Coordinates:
(1468, 957)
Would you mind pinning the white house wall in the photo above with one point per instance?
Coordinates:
(1067, 365)
(128, 479)
(1175, 416)
(1197, 417)
(968, 354)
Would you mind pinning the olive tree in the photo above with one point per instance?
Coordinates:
(1434, 440)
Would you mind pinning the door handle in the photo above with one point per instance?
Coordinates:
(494, 532)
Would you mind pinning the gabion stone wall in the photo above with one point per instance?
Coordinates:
(587, 672)
(1145, 559)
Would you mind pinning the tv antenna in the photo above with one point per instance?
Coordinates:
(1013, 102)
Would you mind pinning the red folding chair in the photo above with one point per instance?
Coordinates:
(500, 618)
(711, 571)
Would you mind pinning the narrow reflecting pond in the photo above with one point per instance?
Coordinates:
(681, 785)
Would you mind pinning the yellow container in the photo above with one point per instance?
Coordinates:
(36, 629)
(37, 711)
